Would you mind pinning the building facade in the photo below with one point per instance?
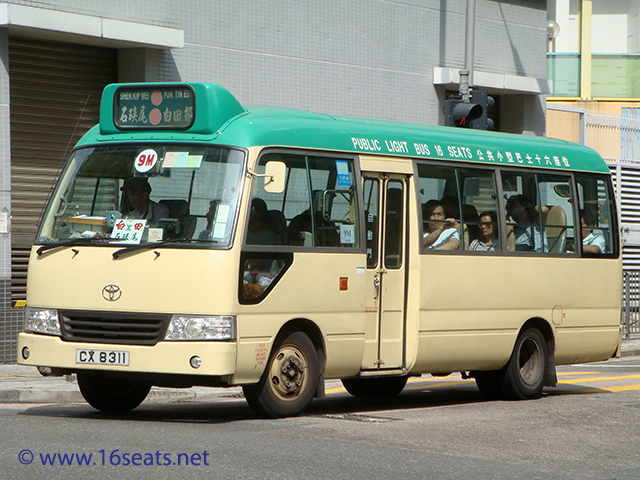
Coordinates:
(371, 58)
(594, 65)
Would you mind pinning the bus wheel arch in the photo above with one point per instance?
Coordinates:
(293, 375)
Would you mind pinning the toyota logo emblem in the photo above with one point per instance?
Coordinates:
(111, 293)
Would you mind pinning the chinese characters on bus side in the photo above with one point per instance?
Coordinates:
(457, 152)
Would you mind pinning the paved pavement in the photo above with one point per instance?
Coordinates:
(21, 384)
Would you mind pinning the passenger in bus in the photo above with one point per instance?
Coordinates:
(489, 233)
(526, 228)
(138, 190)
(442, 233)
(299, 232)
(259, 232)
(592, 241)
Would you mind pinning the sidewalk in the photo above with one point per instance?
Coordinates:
(21, 384)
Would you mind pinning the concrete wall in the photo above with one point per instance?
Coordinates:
(365, 58)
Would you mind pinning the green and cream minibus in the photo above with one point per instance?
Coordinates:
(193, 241)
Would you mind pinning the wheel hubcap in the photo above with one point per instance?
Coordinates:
(530, 362)
(288, 372)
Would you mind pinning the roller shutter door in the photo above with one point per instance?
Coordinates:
(55, 98)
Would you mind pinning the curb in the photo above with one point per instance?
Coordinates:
(630, 353)
(44, 395)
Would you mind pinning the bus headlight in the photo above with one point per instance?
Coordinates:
(200, 327)
(40, 320)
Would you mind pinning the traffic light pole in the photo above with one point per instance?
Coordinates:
(466, 75)
(465, 93)
(469, 110)
(470, 40)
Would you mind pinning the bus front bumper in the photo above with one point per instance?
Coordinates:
(179, 358)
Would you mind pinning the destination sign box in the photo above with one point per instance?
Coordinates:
(142, 107)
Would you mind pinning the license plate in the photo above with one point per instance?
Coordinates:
(102, 357)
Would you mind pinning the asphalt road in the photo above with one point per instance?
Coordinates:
(438, 428)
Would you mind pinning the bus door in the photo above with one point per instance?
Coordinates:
(385, 203)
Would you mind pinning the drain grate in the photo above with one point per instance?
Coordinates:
(359, 418)
(233, 395)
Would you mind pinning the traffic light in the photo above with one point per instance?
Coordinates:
(483, 122)
(460, 114)
(469, 115)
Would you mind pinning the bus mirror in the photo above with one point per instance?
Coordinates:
(562, 190)
(275, 173)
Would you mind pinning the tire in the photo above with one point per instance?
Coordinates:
(489, 384)
(112, 395)
(290, 380)
(523, 377)
(375, 387)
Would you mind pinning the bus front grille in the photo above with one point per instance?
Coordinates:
(109, 327)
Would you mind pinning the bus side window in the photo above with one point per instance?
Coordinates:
(371, 214)
(540, 212)
(597, 217)
(318, 205)
(524, 213)
(440, 201)
(466, 195)
(479, 210)
(558, 217)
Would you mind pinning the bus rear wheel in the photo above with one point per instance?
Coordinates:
(290, 380)
(523, 377)
(375, 387)
(112, 395)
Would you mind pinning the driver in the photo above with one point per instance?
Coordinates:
(138, 190)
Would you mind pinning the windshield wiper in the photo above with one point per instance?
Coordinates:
(70, 243)
(148, 246)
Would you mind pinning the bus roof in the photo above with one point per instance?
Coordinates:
(205, 112)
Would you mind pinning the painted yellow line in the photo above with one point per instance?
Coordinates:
(412, 380)
(627, 388)
(443, 384)
(428, 383)
(432, 379)
(335, 390)
(600, 379)
(623, 389)
(577, 373)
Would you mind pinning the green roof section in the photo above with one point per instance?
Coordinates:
(218, 118)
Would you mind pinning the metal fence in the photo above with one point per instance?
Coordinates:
(630, 304)
(11, 322)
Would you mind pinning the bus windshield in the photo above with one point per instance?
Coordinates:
(140, 193)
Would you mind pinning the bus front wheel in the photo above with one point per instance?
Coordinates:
(524, 375)
(112, 395)
(290, 380)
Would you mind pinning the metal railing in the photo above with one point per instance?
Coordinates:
(630, 304)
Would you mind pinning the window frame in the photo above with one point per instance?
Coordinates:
(494, 169)
(357, 174)
(615, 247)
(498, 171)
